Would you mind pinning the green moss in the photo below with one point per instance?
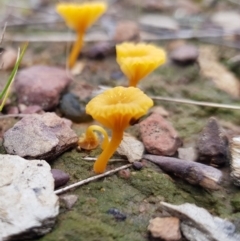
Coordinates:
(235, 201)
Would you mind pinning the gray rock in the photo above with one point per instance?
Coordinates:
(41, 85)
(187, 153)
(69, 200)
(39, 136)
(28, 205)
(212, 145)
(60, 177)
(185, 54)
(197, 224)
(73, 108)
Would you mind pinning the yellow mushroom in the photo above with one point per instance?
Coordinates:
(79, 17)
(115, 109)
(138, 60)
(90, 141)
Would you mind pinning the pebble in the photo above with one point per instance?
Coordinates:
(185, 54)
(100, 50)
(212, 144)
(43, 136)
(125, 174)
(126, 31)
(73, 108)
(158, 136)
(167, 228)
(69, 200)
(32, 109)
(28, 204)
(12, 110)
(47, 84)
(8, 58)
(187, 153)
(137, 165)
(60, 177)
(118, 215)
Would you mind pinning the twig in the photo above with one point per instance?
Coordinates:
(111, 160)
(193, 102)
(3, 32)
(80, 183)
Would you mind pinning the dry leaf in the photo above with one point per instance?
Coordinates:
(131, 148)
(211, 68)
(78, 68)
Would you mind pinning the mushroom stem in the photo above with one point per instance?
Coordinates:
(90, 133)
(76, 49)
(101, 162)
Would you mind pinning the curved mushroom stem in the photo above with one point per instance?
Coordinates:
(89, 140)
(76, 49)
(101, 162)
(90, 132)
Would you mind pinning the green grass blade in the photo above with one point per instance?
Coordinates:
(5, 92)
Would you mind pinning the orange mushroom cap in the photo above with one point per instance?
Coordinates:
(138, 60)
(117, 107)
(81, 16)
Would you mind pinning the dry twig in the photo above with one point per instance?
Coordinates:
(80, 183)
(193, 102)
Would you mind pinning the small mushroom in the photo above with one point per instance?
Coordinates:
(116, 108)
(80, 17)
(90, 141)
(138, 60)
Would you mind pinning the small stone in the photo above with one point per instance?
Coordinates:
(74, 109)
(39, 136)
(185, 54)
(126, 31)
(125, 174)
(69, 200)
(100, 50)
(32, 109)
(12, 110)
(8, 58)
(28, 204)
(167, 229)
(47, 84)
(131, 148)
(158, 136)
(212, 145)
(137, 165)
(119, 216)
(187, 153)
(22, 107)
(60, 177)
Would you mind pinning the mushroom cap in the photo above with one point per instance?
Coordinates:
(80, 16)
(116, 108)
(138, 60)
(88, 142)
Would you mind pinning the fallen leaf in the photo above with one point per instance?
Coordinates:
(131, 148)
